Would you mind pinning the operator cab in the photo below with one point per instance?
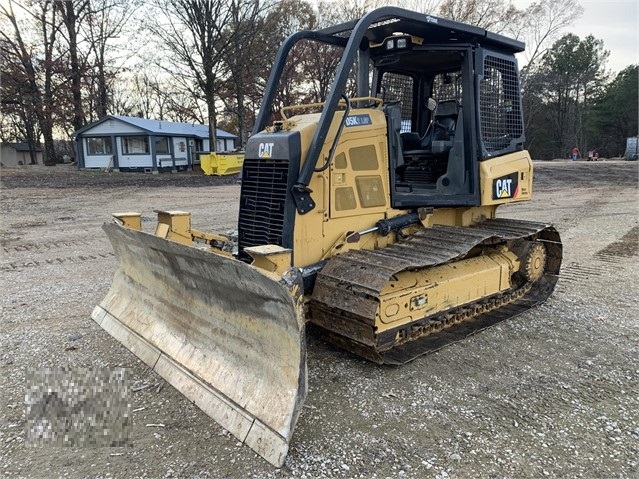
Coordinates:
(430, 95)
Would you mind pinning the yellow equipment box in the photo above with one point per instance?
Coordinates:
(221, 163)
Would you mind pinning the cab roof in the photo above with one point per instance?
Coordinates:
(434, 30)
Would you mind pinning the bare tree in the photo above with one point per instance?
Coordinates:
(106, 21)
(346, 11)
(289, 17)
(194, 33)
(17, 123)
(337, 12)
(247, 53)
(493, 15)
(541, 24)
(72, 13)
(35, 64)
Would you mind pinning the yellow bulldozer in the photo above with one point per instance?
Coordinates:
(371, 216)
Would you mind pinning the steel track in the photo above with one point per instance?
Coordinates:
(347, 290)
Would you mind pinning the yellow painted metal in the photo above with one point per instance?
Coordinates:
(129, 220)
(353, 193)
(174, 226)
(203, 235)
(490, 172)
(307, 106)
(221, 163)
(271, 258)
(308, 228)
(366, 175)
(459, 216)
(411, 295)
(317, 233)
(226, 335)
(359, 175)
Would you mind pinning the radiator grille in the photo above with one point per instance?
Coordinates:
(263, 203)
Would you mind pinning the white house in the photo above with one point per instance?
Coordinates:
(130, 143)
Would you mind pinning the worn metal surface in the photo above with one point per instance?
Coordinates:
(228, 337)
(348, 290)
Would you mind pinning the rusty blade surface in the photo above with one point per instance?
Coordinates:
(228, 337)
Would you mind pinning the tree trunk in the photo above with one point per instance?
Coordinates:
(69, 17)
(103, 93)
(210, 103)
(49, 146)
(241, 114)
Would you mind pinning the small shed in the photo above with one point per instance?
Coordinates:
(139, 144)
(17, 154)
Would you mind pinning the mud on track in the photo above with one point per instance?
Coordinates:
(552, 393)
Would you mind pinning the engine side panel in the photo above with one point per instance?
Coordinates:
(506, 179)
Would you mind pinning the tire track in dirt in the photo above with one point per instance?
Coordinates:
(32, 263)
(591, 207)
(626, 247)
(48, 245)
(575, 272)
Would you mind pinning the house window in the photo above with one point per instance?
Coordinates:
(162, 145)
(99, 146)
(135, 145)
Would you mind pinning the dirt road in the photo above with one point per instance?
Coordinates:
(552, 393)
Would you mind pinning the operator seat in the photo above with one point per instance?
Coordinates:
(438, 139)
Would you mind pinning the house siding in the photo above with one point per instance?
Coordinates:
(179, 151)
(9, 156)
(113, 127)
(97, 161)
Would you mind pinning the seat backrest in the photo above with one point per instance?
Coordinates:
(447, 109)
(442, 126)
(445, 120)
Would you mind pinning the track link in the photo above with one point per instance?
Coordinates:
(347, 290)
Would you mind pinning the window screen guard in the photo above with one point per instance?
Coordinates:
(501, 121)
(398, 87)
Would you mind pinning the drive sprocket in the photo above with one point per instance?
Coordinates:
(535, 262)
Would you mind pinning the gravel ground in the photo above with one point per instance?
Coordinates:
(552, 393)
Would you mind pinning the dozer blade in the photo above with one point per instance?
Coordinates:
(228, 337)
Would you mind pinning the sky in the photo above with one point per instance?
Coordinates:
(613, 21)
